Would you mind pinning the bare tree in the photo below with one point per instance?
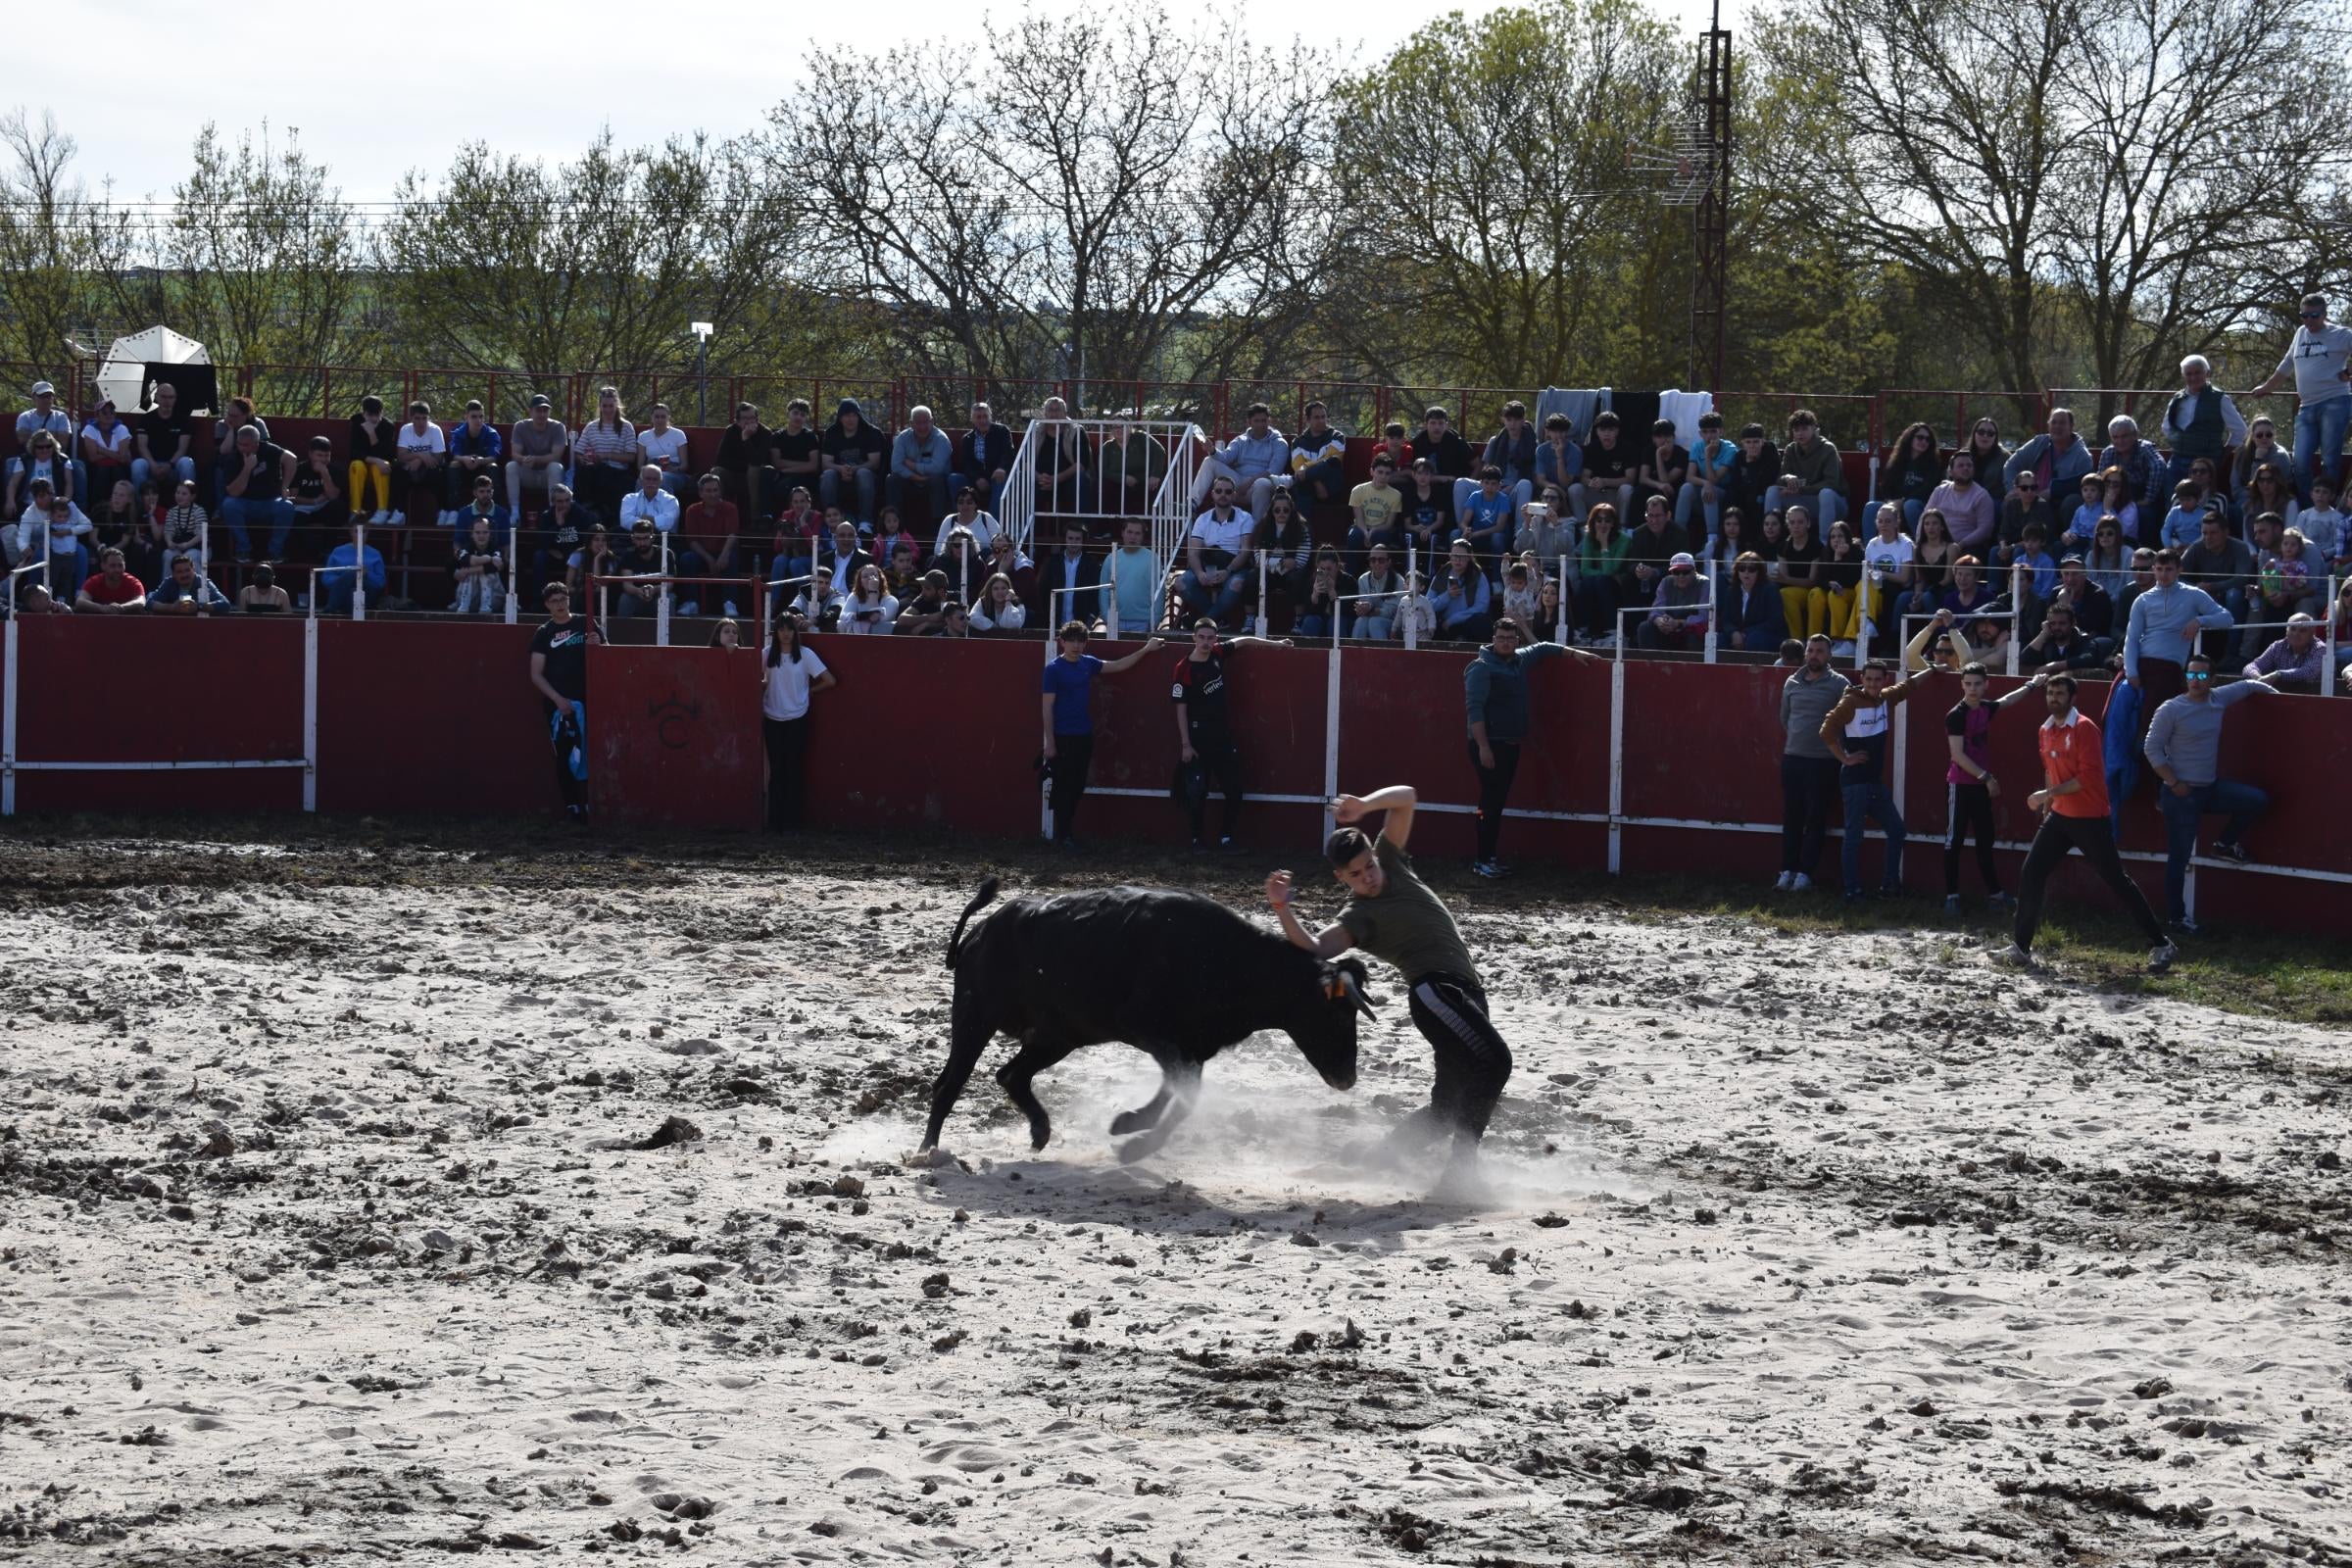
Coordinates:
(2050, 173)
(1104, 202)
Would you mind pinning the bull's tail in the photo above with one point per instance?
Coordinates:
(987, 891)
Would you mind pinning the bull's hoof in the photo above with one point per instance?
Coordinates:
(1039, 1134)
(1131, 1121)
(1144, 1145)
(931, 1158)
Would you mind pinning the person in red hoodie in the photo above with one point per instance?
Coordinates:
(2073, 801)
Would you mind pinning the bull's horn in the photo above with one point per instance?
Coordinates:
(1355, 994)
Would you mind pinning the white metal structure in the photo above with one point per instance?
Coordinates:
(1098, 496)
(122, 371)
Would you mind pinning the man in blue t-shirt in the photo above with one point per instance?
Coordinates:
(1069, 720)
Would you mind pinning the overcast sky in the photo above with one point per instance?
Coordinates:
(376, 91)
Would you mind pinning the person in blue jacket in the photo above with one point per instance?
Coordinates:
(1495, 687)
(337, 585)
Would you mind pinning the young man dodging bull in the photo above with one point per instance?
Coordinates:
(1392, 914)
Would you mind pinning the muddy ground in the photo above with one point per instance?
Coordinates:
(331, 1232)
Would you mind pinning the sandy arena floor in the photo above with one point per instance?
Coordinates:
(324, 1240)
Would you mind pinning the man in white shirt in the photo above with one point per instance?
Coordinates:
(663, 445)
(2319, 359)
(650, 503)
(423, 450)
(1218, 554)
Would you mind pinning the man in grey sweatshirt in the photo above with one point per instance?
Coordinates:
(1494, 695)
(2184, 747)
(1809, 773)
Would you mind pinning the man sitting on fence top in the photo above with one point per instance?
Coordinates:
(1255, 461)
(1218, 552)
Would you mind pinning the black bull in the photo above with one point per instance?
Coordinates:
(1176, 975)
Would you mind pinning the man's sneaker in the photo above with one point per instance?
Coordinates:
(1229, 847)
(2161, 958)
(1802, 884)
(1486, 868)
(1501, 869)
(1843, 649)
(2235, 853)
(2000, 901)
(2014, 957)
(1951, 904)
(729, 605)
(1607, 639)
(2186, 924)
(1788, 880)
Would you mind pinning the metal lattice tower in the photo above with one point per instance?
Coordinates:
(1711, 287)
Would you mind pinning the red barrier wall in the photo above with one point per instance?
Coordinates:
(424, 719)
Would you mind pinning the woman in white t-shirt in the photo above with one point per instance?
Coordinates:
(663, 445)
(1887, 559)
(872, 609)
(789, 675)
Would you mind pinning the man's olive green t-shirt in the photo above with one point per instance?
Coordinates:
(1407, 924)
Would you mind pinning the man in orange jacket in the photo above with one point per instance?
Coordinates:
(2073, 801)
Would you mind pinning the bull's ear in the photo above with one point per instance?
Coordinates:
(1355, 992)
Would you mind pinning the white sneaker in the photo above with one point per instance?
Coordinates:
(378, 518)
(1786, 883)
(730, 610)
(1607, 639)
(1841, 650)
(1801, 884)
(2161, 958)
(2014, 957)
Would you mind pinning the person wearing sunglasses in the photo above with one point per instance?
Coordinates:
(2183, 745)
(2319, 359)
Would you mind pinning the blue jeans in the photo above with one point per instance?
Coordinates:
(1871, 799)
(141, 469)
(2320, 440)
(236, 512)
(2241, 803)
(1690, 498)
(829, 488)
(1219, 602)
(1827, 507)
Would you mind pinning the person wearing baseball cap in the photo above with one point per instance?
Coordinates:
(1678, 617)
(45, 415)
(536, 449)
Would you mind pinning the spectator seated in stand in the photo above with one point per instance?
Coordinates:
(642, 568)
(713, 529)
(2059, 644)
(926, 613)
(166, 442)
(476, 451)
(1512, 451)
(603, 456)
(44, 462)
(1665, 466)
(253, 492)
(1378, 592)
(2092, 605)
(1450, 458)
(374, 443)
(799, 529)
(111, 590)
(2285, 580)
(899, 577)
(921, 456)
(1462, 599)
(539, 447)
(983, 461)
(107, 450)
(1318, 461)
(350, 564)
(183, 593)
(1969, 510)
(999, 608)
(1609, 465)
(1752, 617)
(968, 517)
(2033, 560)
(664, 446)
(478, 563)
(1547, 528)
(2223, 566)
(1258, 463)
(53, 529)
(419, 467)
(795, 458)
(1650, 548)
(871, 609)
(183, 528)
(312, 491)
(1393, 446)
(46, 418)
(1376, 511)
(2294, 662)
(2138, 463)
(1288, 547)
(262, 596)
(1523, 592)
(2025, 507)
(1416, 612)
(595, 558)
(967, 570)
(1812, 474)
(649, 504)
(1708, 485)
(1678, 618)
(1217, 555)
(1320, 607)
(1489, 517)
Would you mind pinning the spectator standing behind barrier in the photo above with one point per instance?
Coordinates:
(1204, 730)
(559, 672)
(2319, 359)
(1856, 733)
(1494, 695)
(2161, 630)
(2073, 801)
(2200, 420)
(1809, 773)
(789, 676)
(1970, 787)
(2183, 746)
(1069, 722)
